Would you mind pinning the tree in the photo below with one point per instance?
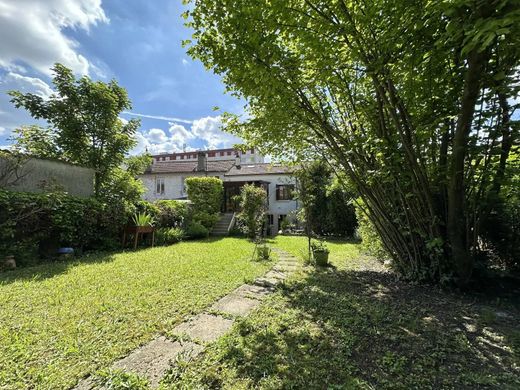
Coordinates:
(253, 209)
(84, 119)
(412, 100)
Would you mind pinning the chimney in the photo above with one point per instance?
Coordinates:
(201, 161)
(237, 161)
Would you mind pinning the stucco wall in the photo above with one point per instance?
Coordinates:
(40, 175)
(173, 188)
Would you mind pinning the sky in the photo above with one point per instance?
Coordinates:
(137, 43)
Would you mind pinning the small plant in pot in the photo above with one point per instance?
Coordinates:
(143, 220)
(263, 252)
(320, 253)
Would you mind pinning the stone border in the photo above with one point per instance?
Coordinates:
(153, 359)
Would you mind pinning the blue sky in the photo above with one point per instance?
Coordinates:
(137, 42)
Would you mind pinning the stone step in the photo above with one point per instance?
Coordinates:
(204, 327)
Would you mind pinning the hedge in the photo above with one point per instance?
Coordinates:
(33, 226)
(205, 194)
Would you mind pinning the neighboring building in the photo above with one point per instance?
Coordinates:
(249, 156)
(44, 175)
(164, 179)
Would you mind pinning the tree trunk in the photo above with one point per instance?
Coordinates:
(460, 251)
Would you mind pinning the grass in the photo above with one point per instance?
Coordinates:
(62, 321)
(354, 325)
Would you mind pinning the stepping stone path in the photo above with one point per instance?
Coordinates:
(152, 360)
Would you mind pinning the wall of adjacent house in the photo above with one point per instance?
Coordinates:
(174, 187)
(41, 175)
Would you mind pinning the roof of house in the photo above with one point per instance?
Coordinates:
(189, 166)
(259, 169)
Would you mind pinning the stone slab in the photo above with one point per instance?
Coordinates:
(236, 305)
(276, 275)
(254, 291)
(204, 327)
(153, 360)
(267, 282)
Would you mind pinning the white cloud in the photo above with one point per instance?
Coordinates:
(156, 136)
(185, 62)
(205, 130)
(27, 84)
(32, 32)
(208, 129)
(3, 130)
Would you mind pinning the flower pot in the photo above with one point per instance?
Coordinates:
(321, 258)
(264, 252)
(9, 262)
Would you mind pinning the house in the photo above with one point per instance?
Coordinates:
(165, 178)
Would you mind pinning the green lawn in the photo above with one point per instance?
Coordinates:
(61, 321)
(355, 325)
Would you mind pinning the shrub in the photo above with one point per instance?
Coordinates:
(197, 230)
(253, 205)
(168, 236)
(33, 226)
(371, 243)
(143, 206)
(172, 213)
(206, 219)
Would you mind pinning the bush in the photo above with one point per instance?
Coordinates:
(145, 207)
(371, 243)
(172, 213)
(253, 205)
(33, 226)
(168, 236)
(205, 194)
(206, 219)
(197, 230)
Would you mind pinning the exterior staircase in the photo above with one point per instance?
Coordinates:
(222, 226)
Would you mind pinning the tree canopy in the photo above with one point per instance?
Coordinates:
(85, 127)
(412, 100)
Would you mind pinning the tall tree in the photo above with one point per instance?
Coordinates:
(413, 100)
(84, 119)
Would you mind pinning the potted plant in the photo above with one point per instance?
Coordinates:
(143, 223)
(320, 253)
(263, 252)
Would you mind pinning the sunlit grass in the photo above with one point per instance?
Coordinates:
(61, 321)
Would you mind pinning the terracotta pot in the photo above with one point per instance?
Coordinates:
(9, 262)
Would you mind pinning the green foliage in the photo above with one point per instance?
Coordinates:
(172, 213)
(143, 219)
(326, 203)
(253, 209)
(197, 230)
(85, 125)
(168, 235)
(36, 141)
(370, 240)
(263, 252)
(33, 226)
(136, 165)
(121, 380)
(205, 194)
(412, 101)
(319, 246)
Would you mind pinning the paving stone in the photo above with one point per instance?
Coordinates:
(204, 327)
(236, 305)
(153, 360)
(276, 275)
(267, 282)
(254, 291)
(285, 268)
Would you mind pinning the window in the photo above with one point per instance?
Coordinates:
(284, 191)
(270, 219)
(229, 153)
(221, 154)
(211, 154)
(159, 185)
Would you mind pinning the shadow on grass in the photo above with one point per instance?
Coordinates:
(359, 329)
(51, 268)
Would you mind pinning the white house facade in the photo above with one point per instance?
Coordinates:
(165, 179)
